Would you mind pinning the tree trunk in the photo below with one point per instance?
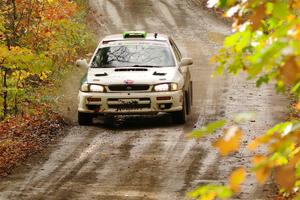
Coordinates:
(16, 95)
(4, 84)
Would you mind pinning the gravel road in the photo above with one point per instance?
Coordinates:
(149, 157)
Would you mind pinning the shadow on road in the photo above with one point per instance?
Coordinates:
(135, 122)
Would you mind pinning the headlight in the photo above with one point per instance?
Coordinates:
(84, 87)
(96, 88)
(166, 87)
(92, 88)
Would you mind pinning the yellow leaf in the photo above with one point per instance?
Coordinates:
(254, 144)
(291, 17)
(297, 106)
(209, 196)
(290, 72)
(237, 178)
(297, 33)
(263, 172)
(259, 141)
(296, 5)
(285, 176)
(213, 59)
(230, 142)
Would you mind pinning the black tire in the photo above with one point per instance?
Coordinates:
(179, 117)
(109, 121)
(191, 93)
(188, 102)
(85, 119)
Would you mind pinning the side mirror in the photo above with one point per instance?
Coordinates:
(82, 63)
(186, 62)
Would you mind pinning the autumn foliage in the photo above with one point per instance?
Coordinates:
(265, 44)
(38, 37)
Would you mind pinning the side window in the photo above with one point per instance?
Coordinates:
(176, 50)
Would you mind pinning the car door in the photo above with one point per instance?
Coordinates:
(185, 70)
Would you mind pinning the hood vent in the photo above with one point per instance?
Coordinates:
(159, 74)
(104, 74)
(131, 70)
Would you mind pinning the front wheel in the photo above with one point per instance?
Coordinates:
(179, 117)
(85, 119)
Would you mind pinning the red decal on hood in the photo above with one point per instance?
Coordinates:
(128, 82)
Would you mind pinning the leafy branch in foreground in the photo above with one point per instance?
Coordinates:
(265, 44)
(283, 158)
(265, 41)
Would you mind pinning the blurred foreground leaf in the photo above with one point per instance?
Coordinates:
(208, 129)
(237, 178)
(209, 192)
(230, 142)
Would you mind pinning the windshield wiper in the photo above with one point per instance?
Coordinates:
(102, 66)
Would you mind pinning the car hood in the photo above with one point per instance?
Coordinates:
(107, 76)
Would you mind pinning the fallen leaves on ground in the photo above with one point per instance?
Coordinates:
(23, 136)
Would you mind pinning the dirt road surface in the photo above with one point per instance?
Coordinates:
(149, 157)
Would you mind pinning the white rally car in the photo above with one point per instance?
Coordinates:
(135, 73)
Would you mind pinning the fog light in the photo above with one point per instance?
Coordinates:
(165, 106)
(94, 99)
(163, 98)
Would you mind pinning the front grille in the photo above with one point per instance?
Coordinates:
(129, 104)
(93, 107)
(125, 87)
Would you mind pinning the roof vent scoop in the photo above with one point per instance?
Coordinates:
(131, 70)
(135, 34)
(104, 74)
(158, 74)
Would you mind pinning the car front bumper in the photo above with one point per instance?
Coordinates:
(130, 103)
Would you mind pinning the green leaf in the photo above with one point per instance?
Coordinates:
(279, 128)
(280, 87)
(222, 3)
(281, 10)
(296, 88)
(298, 170)
(244, 40)
(236, 65)
(232, 40)
(219, 70)
(210, 128)
(262, 80)
(270, 8)
(222, 192)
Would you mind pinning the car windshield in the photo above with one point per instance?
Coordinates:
(134, 55)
